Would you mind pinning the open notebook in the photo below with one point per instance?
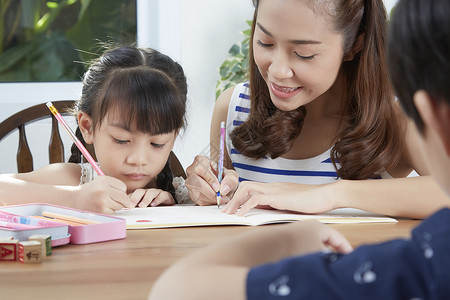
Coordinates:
(189, 215)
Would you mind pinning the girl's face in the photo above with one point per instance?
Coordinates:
(296, 52)
(127, 154)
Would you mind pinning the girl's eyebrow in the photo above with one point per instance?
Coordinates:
(121, 126)
(297, 42)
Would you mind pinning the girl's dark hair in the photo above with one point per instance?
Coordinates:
(148, 89)
(418, 52)
(371, 138)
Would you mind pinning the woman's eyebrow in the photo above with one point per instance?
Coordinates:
(297, 42)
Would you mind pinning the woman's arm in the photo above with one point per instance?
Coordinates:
(220, 114)
(415, 197)
(219, 271)
(202, 181)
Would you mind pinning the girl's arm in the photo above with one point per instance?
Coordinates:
(55, 184)
(220, 270)
(59, 184)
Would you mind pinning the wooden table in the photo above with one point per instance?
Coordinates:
(127, 268)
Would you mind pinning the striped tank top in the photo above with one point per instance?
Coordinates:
(315, 170)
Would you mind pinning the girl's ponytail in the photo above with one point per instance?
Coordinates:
(164, 180)
(76, 156)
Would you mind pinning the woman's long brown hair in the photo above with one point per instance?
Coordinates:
(371, 135)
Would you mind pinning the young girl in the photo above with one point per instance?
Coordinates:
(131, 110)
(317, 119)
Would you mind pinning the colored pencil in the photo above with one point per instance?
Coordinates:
(220, 167)
(59, 221)
(69, 218)
(74, 138)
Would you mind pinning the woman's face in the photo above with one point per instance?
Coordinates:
(296, 52)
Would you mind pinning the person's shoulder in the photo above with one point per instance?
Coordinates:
(232, 94)
(224, 99)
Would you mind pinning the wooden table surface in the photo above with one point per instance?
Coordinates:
(127, 268)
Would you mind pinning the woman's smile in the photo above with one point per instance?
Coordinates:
(284, 92)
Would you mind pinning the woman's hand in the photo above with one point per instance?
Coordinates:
(151, 197)
(203, 185)
(104, 194)
(303, 198)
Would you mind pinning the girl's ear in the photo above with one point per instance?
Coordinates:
(435, 116)
(357, 47)
(86, 128)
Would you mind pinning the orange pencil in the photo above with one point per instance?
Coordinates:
(59, 221)
(69, 218)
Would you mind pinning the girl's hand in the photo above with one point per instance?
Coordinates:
(312, 199)
(151, 197)
(104, 194)
(203, 185)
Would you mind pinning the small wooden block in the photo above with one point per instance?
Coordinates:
(30, 252)
(46, 243)
(9, 249)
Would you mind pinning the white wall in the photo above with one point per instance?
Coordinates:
(207, 29)
(196, 33)
(389, 4)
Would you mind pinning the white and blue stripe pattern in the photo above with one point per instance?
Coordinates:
(316, 170)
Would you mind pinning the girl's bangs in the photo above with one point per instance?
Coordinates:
(143, 100)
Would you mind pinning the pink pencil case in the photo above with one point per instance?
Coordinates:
(108, 227)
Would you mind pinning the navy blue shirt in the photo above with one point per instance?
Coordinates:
(416, 268)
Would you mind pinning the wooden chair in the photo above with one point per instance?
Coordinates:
(56, 147)
(30, 115)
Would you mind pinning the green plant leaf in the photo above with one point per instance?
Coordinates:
(234, 69)
(50, 60)
(100, 22)
(44, 58)
(11, 56)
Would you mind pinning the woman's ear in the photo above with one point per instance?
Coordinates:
(435, 116)
(177, 132)
(86, 128)
(357, 47)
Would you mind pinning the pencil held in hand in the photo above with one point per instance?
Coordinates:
(74, 138)
(221, 149)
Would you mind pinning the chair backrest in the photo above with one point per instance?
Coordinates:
(30, 115)
(56, 147)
